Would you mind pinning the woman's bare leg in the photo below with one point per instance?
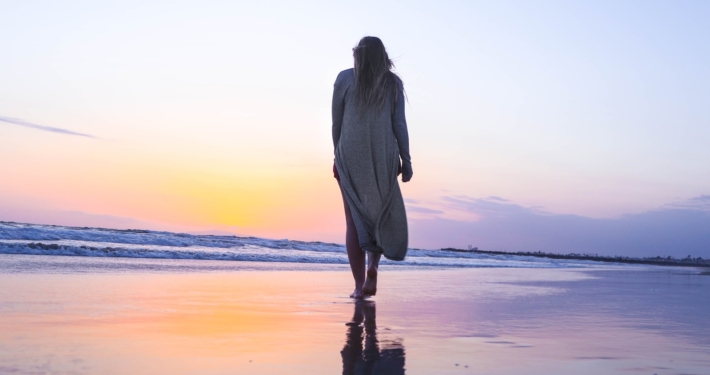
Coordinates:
(370, 286)
(356, 255)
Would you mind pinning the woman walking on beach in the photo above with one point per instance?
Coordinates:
(370, 136)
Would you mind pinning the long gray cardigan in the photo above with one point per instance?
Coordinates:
(367, 156)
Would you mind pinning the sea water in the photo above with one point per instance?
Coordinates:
(32, 239)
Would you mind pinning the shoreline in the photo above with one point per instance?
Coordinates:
(22, 238)
(658, 261)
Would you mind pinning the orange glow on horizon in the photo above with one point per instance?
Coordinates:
(248, 199)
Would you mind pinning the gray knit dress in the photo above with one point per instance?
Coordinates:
(367, 155)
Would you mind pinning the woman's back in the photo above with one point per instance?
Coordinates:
(368, 159)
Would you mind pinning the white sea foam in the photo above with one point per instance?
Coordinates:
(16, 238)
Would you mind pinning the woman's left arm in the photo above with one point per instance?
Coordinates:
(399, 126)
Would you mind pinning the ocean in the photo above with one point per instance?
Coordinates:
(33, 239)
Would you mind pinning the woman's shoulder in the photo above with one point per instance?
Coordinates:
(345, 76)
(399, 81)
(347, 72)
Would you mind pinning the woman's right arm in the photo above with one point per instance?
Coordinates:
(338, 108)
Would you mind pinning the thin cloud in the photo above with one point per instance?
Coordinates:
(17, 121)
(491, 207)
(701, 203)
(423, 210)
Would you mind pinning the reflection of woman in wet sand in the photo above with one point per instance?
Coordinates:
(369, 360)
(370, 136)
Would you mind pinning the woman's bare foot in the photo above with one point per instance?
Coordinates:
(370, 286)
(357, 294)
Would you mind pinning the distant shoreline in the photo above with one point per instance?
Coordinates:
(659, 261)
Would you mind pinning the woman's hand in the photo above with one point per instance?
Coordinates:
(407, 172)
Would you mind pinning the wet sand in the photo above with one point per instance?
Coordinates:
(73, 315)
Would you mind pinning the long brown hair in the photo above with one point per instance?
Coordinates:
(375, 83)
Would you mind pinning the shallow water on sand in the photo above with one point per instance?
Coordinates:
(192, 317)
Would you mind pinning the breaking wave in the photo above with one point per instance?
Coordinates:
(18, 238)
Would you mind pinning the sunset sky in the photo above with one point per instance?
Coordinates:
(549, 125)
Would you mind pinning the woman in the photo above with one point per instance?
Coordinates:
(370, 136)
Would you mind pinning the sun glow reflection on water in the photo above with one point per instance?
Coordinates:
(261, 321)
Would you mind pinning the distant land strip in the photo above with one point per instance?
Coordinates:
(660, 261)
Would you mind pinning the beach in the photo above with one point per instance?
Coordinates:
(84, 315)
(198, 188)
